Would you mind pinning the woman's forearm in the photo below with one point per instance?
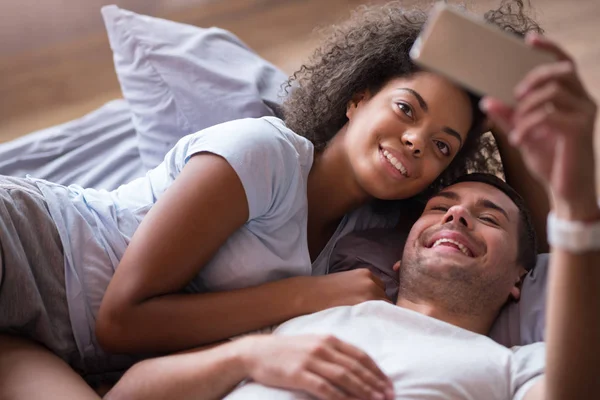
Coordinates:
(182, 321)
(202, 374)
(177, 322)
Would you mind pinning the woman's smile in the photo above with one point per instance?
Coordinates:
(396, 165)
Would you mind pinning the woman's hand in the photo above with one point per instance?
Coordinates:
(346, 288)
(323, 366)
(553, 126)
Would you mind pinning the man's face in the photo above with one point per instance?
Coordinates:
(465, 242)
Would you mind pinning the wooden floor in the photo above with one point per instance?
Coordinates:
(56, 65)
(65, 67)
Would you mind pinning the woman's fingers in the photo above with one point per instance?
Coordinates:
(378, 281)
(378, 291)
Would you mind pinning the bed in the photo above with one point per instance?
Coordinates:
(97, 150)
(177, 79)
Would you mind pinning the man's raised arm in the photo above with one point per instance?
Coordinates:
(553, 127)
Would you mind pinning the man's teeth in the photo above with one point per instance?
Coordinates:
(460, 246)
(394, 161)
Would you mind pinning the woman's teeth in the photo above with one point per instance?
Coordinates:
(460, 246)
(394, 161)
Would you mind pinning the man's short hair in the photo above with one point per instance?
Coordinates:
(527, 240)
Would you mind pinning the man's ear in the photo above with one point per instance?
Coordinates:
(355, 101)
(396, 266)
(515, 291)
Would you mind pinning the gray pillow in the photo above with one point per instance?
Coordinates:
(519, 323)
(179, 79)
(524, 322)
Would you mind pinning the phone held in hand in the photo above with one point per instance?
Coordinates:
(475, 54)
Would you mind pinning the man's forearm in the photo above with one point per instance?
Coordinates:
(201, 374)
(573, 336)
(573, 324)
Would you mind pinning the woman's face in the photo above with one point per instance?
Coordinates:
(401, 139)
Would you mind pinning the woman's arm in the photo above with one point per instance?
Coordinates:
(195, 216)
(206, 204)
(320, 365)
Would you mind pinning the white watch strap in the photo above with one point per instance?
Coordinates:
(573, 236)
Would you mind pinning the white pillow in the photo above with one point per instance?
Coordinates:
(179, 79)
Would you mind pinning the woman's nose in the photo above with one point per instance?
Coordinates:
(414, 144)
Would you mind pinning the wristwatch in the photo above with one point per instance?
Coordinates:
(574, 236)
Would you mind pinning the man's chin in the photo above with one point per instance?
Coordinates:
(450, 273)
(447, 263)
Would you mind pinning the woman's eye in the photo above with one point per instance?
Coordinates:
(443, 147)
(405, 108)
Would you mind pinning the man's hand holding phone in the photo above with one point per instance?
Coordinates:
(552, 124)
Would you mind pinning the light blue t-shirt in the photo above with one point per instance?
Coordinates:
(272, 162)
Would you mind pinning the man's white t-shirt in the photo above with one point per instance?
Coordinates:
(427, 359)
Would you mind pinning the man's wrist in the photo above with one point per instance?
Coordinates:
(582, 210)
(240, 356)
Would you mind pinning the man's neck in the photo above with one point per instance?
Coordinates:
(476, 323)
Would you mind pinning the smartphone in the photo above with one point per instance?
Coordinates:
(475, 54)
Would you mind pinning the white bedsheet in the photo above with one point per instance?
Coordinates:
(98, 150)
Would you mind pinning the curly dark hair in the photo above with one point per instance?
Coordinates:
(367, 51)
